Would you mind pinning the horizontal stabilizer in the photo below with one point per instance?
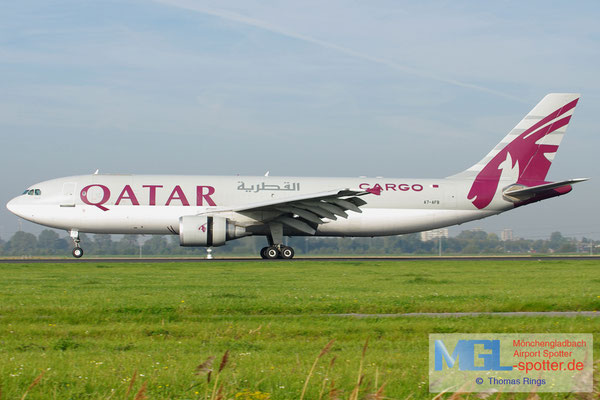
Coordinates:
(521, 193)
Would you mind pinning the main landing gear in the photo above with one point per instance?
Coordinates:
(276, 249)
(77, 251)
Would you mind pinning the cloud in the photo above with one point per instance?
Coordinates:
(264, 25)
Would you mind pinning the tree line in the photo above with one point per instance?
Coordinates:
(50, 243)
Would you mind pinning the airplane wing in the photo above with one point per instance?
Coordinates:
(522, 193)
(304, 212)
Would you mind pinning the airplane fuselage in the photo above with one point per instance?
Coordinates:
(153, 204)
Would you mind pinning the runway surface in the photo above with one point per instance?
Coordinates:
(240, 259)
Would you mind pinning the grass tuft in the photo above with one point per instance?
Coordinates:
(141, 394)
(64, 344)
(131, 383)
(33, 384)
(324, 351)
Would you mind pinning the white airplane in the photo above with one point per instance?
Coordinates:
(210, 210)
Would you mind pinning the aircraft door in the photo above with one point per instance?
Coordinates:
(68, 194)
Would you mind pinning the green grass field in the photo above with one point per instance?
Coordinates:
(92, 326)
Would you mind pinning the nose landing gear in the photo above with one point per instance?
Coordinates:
(77, 251)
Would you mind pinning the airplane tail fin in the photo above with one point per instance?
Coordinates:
(524, 156)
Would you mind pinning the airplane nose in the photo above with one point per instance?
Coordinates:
(13, 206)
(21, 207)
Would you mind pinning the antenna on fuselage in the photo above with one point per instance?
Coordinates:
(267, 173)
(97, 171)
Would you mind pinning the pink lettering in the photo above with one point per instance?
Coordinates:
(177, 194)
(99, 204)
(127, 194)
(152, 193)
(202, 194)
(403, 187)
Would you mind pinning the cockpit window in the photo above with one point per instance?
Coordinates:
(25, 192)
(30, 192)
(38, 192)
(33, 192)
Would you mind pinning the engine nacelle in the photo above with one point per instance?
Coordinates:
(203, 230)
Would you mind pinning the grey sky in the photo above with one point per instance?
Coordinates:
(339, 88)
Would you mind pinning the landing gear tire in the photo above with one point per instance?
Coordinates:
(263, 252)
(272, 253)
(287, 253)
(77, 252)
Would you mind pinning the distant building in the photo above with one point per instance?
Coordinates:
(506, 234)
(434, 234)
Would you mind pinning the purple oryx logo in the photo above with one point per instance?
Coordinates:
(523, 152)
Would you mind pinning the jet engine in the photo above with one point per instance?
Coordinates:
(203, 230)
